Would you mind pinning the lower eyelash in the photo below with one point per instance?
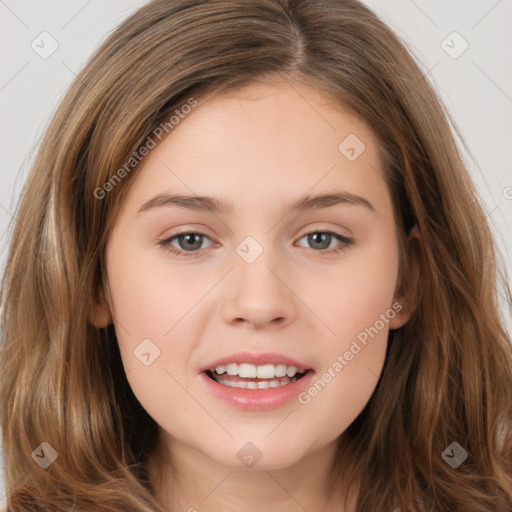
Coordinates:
(326, 252)
(173, 250)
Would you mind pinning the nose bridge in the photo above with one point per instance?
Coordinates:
(258, 294)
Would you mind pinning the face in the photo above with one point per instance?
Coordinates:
(191, 285)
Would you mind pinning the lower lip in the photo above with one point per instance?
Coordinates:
(258, 399)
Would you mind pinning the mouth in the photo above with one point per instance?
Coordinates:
(251, 382)
(272, 378)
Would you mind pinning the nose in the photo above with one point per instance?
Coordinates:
(259, 295)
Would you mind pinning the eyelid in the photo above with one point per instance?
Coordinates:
(323, 229)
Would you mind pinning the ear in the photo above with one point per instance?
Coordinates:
(408, 282)
(100, 315)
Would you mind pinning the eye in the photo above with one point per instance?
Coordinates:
(322, 240)
(190, 243)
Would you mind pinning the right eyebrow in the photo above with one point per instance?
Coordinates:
(199, 203)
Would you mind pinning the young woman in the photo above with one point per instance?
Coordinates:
(249, 271)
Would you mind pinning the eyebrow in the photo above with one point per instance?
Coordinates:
(223, 207)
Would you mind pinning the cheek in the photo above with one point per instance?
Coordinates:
(353, 295)
(153, 314)
(346, 379)
(152, 307)
(355, 303)
(149, 298)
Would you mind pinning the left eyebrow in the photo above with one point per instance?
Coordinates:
(223, 207)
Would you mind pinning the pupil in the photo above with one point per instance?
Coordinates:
(189, 239)
(314, 235)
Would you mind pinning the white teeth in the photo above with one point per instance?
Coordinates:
(232, 369)
(247, 370)
(256, 385)
(250, 371)
(265, 372)
(232, 384)
(281, 370)
(291, 371)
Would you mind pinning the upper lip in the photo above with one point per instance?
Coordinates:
(257, 359)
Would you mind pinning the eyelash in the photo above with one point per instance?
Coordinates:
(190, 254)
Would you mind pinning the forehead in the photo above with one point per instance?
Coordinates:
(263, 140)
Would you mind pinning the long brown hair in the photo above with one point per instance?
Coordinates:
(448, 371)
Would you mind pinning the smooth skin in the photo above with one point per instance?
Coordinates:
(261, 147)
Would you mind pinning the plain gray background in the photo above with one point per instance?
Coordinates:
(476, 85)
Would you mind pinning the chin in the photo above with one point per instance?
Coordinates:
(254, 456)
